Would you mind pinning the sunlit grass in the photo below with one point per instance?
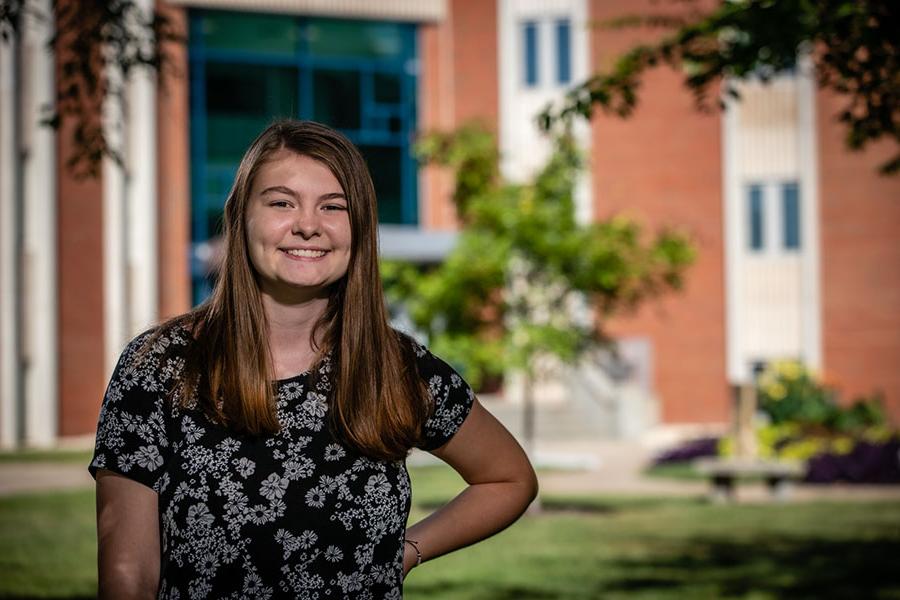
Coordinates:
(580, 547)
(47, 456)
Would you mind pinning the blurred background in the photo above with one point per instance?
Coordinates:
(613, 217)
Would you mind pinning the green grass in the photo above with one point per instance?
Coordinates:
(48, 545)
(51, 456)
(580, 547)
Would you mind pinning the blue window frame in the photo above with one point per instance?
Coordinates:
(247, 69)
(563, 51)
(530, 45)
(790, 215)
(756, 214)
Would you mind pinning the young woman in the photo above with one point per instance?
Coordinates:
(254, 447)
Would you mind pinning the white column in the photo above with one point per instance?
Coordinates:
(39, 268)
(9, 249)
(130, 219)
(141, 198)
(115, 244)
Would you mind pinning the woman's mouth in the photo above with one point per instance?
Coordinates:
(305, 253)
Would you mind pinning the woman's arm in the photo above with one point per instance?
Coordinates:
(128, 548)
(501, 486)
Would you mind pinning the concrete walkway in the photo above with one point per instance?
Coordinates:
(610, 467)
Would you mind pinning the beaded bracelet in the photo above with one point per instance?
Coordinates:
(415, 546)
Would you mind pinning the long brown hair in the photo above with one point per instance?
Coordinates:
(378, 404)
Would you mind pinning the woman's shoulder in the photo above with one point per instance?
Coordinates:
(432, 368)
(452, 397)
(409, 342)
(161, 341)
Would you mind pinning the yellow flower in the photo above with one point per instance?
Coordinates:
(842, 445)
(776, 391)
(789, 369)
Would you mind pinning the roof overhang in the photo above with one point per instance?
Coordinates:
(394, 10)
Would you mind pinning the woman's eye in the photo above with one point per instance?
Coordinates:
(279, 203)
(335, 207)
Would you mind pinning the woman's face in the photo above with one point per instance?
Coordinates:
(298, 226)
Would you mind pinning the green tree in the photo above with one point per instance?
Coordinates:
(526, 280)
(853, 45)
(93, 39)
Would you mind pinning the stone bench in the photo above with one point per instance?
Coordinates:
(724, 473)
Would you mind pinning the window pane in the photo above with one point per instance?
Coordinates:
(241, 101)
(249, 32)
(336, 98)
(563, 51)
(358, 39)
(530, 43)
(387, 88)
(384, 164)
(757, 217)
(790, 207)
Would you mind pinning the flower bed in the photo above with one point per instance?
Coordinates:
(800, 419)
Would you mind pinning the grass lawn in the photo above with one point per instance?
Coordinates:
(580, 547)
(57, 456)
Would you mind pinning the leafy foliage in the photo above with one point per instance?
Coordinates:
(98, 43)
(790, 393)
(853, 45)
(515, 285)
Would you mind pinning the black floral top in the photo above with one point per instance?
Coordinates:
(292, 515)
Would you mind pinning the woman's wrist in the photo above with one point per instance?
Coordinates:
(415, 546)
(412, 555)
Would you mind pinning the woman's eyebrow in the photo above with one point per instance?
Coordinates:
(333, 196)
(279, 189)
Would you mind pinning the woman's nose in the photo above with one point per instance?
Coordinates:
(306, 223)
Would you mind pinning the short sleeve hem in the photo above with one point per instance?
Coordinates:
(452, 398)
(132, 440)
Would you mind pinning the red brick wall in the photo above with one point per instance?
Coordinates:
(458, 83)
(475, 56)
(860, 258)
(663, 166)
(173, 179)
(82, 374)
(435, 110)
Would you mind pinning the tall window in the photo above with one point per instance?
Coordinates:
(756, 219)
(247, 69)
(530, 44)
(773, 217)
(554, 51)
(790, 211)
(563, 51)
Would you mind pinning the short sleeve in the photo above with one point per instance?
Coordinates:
(131, 432)
(453, 398)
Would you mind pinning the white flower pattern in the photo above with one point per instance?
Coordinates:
(295, 514)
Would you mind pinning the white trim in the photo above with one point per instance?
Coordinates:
(523, 148)
(400, 10)
(508, 73)
(809, 215)
(579, 67)
(40, 286)
(9, 251)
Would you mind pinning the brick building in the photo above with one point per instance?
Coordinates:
(797, 236)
